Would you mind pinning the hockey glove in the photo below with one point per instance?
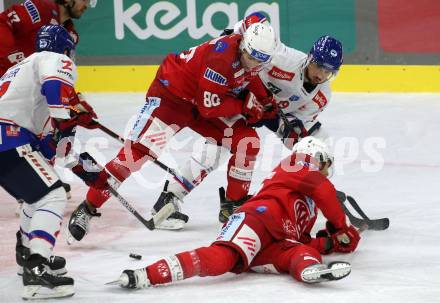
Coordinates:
(252, 109)
(89, 171)
(291, 131)
(270, 108)
(82, 113)
(344, 240)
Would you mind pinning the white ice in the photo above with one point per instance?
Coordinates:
(387, 156)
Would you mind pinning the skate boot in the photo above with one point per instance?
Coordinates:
(177, 219)
(227, 207)
(321, 272)
(40, 284)
(79, 222)
(132, 279)
(56, 265)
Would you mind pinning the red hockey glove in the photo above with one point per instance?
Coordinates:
(270, 108)
(83, 113)
(89, 171)
(252, 109)
(346, 240)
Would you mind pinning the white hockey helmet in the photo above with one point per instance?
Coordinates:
(259, 41)
(315, 148)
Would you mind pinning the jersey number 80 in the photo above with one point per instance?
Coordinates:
(210, 99)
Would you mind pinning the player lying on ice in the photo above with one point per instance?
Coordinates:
(301, 87)
(208, 88)
(39, 112)
(271, 231)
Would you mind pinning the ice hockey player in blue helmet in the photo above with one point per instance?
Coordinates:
(39, 109)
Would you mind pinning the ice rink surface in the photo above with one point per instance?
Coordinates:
(387, 154)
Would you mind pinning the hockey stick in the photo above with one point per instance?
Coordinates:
(364, 221)
(155, 161)
(89, 164)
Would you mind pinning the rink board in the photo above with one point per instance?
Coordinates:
(352, 78)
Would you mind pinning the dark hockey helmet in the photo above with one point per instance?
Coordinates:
(326, 52)
(54, 38)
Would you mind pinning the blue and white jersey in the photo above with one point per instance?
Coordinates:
(284, 77)
(31, 92)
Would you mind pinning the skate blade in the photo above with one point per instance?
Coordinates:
(35, 292)
(171, 224)
(336, 272)
(115, 282)
(69, 238)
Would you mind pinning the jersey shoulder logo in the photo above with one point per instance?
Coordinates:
(32, 11)
(220, 46)
(278, 73)
(320, 99)
(215, 77)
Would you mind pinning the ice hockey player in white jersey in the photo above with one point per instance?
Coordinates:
(299, 83)
(37, 98)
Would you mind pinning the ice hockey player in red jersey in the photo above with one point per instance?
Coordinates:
(271, 233)
(209, 88)
(19, 24)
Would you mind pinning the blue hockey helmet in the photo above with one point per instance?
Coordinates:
(326, 52)
(54, 38)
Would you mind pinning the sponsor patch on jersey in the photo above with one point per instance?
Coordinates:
(220, 46)
(278, 73)
(320, 99)
(32, 11)
(12, 131)
(294, 98)
(215, 77)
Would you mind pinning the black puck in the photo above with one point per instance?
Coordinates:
(135, 256)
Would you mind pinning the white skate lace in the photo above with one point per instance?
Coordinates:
(142, 280)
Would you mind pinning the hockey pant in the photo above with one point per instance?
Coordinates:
(161, 117)
(242, 245)
(27, 175)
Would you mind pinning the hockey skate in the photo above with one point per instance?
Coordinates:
(176, 220)
(321, 272)
(56, 265)
(79, 222)
(40, 284)
(227, 207)
(132, 279)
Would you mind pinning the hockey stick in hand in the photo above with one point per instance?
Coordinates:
(364, 221)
